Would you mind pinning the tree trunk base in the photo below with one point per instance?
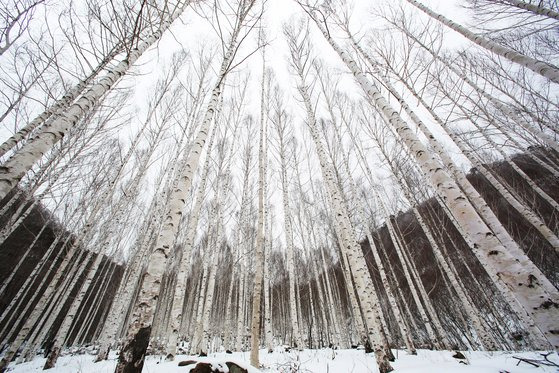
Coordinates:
(382, 362)
(389, 354)
(3, 365)
(29, 356)
(132, 355)
(51, 360)
(103, 354)
(384, 367)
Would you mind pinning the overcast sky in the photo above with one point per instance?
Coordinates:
(192, 33)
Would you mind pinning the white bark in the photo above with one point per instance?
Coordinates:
(475, 198)
(214, 245)
(349, 284)
(14, 169)
(116, 317)
(217, 231)
(20, 215)
(267, 299)
(54, 306)
(64, 329)
(288, 230)
(536, 9)
(51, 289)
(139, 328)
(58, 106)
(549, 71)
(241, 244)
(178, 298)
(9, 312)
(350, 247)
(487, 340)
(229, 311)
(361, 216)
(526, 213)
(496, 259)
(144, 309)
(510, 162)
(332, 306)
(93, 311)
(509, 112)
(24, 258)
(414, 291)
(523, 175)
(260, 242)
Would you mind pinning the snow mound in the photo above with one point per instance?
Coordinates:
(314, 361)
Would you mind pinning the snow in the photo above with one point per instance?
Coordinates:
(313, 361)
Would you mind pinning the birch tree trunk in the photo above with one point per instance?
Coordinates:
(207, 263)
(124, 296)
(481, 206)
(544, 137)
(268, 335)
(497, 260)
(93, 311)
(544, 69)
(536, 9)
(139, 330)
(486, 339)
(64, 329)
(364, 285)
(359, 325)
(415, 291)
(217, 231)
(23, 211)
(178, 298)
(23, 334)
(9, 313)
(361, 217)
(55, 303)
(242, 245)
(14, 169)
(338, 339)
(229, 311)
(60, 105)
(281, 127)
(509, 196)
(260, 242)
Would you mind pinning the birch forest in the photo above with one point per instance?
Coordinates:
(182, 177)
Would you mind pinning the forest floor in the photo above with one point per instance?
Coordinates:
(317, 361)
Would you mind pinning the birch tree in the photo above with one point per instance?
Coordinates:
(546, 70)
(509, 267)
(300, 56)
(15, 168)
(259, 248)
(355, 200)
(139, 329)
(281, 125)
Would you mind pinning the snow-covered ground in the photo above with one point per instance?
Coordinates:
(316, 361)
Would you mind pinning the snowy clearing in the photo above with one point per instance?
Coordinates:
(315, 361)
